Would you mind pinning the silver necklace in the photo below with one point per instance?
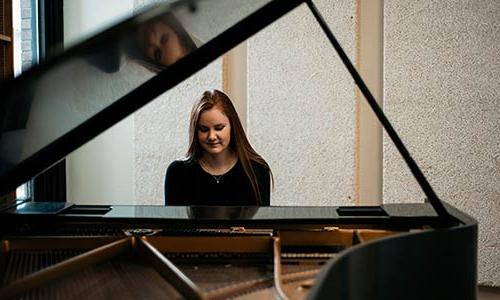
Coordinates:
(217, 177)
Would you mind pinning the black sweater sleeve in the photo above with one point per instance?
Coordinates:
(173, 186)
(264, 182)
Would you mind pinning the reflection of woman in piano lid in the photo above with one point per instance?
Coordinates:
(221, 167)
(161, 42)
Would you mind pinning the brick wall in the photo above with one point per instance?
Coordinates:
(29, 50)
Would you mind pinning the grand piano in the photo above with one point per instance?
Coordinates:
(54, 250)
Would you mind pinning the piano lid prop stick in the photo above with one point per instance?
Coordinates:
(170, 272)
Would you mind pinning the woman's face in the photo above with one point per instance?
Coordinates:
(161, 44)
(214, 131)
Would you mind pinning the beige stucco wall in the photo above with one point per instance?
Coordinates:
(442, 93)
(301, 106)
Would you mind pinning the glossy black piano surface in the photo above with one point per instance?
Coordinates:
(67, 251)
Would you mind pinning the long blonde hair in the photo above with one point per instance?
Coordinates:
(238, 143)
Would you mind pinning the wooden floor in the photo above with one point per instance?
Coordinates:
(488, 293)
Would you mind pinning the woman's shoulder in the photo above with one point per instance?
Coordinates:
(181, 164)
(259, 167)
(259, 164)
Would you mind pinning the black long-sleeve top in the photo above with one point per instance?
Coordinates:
(186, 183)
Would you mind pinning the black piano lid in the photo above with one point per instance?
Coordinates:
(25, 151)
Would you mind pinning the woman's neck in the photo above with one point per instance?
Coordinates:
(219, 163)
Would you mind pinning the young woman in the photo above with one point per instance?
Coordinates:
(221, 167)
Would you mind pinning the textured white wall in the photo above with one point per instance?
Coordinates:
(442, 93)
(301, 106)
